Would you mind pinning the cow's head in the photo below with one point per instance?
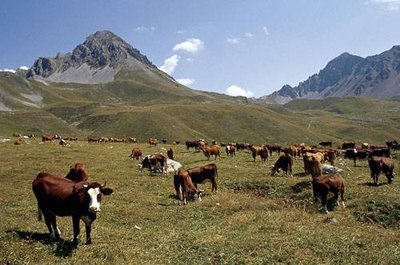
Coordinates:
(94, 191)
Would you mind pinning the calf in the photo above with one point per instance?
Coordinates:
(203, 173)
(283, 163)
(184, 187)
(377, 165)
(324, 184)
(58, 196)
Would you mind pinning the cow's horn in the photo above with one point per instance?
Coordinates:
(105, 182)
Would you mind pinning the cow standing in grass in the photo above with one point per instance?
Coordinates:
(377, 165)
(214, 150)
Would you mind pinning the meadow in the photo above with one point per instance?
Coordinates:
(254, 218)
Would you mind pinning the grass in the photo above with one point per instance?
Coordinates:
(253, 219)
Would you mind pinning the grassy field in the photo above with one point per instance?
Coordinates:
(253, 219)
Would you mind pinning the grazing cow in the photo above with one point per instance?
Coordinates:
(380, 152)
(170, 154)
(77, 172)
(241, 146)
(230, 150)
(184, 187)
(94, 139)
(291, 150)
(153, 141)
(58, 196)
(356, 154)
(171, 166)
(326, 144)
(283, 163)
(377, 165)
(203, 173)
(324, 184)
(274, 148)
(212, 150)
(155, 163)
(136, 153)
(348, 145)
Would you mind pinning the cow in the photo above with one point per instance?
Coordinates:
(241, 146)
(155, 163)
(58, 196)
(324, 184)
(230, 150)
(171, 166)
(355, 154)
(310, 160)
(191, 144)
(170, 154)
(47, 138)
(214, 150)
(380, 152)
(94, 139)
(153, 141)
(132, 140)
(348, 145)
(19, 141)
(377, 165)
(184, 187)
(203, 173)
(77, 172)
(284, 163)
(274, 148)
(326, 144)
(291, 150)
(261, 151)
(393, 144)
(136, 153)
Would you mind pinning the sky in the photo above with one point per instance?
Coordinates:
(237, 47)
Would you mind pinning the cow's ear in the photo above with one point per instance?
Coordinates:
(106, 191)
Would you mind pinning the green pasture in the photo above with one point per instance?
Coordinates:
(252, 219)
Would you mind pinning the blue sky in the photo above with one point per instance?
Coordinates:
(251, 47)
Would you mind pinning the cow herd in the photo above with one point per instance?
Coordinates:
(72, 195)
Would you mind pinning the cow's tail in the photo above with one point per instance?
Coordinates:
(39, 213)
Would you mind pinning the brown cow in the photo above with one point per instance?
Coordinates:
(262, 151)
(377, 165)
(274, 148)
(58, 196)
(326, 143)
(155, 163)
(77, 173)
(212, 150)
(47, 138)
(324, 184)
(203, 173)
(132, 140)
(184, 187)
(310, 160)
(136, 153)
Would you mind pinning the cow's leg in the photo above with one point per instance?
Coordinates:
(214, 186)
(342, 197)
(47, 220)
(56, 230)
(88, 227)
(75, 223)
(324, 199)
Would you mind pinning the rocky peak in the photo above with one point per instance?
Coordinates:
(99, 50)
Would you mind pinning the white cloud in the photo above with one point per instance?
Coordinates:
(8, 70)
(25, 68)
(170, 64)
(143, 29)
(389, 4)
(235, 91)
(185, 81)
(190, 45)
(233, 40)
(189, 60)
(249, 35)
(181, 31)
(265, 30)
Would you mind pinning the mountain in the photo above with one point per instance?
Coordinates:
(97, 60)
(375, 76)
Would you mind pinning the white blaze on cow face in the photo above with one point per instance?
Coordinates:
(94, 203)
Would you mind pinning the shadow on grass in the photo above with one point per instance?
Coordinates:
(301, 186)
(300, 175)
(371, 184)
(61, 248)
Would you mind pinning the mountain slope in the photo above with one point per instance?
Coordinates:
(375, 76)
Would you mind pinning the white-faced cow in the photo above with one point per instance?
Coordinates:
(58, 196)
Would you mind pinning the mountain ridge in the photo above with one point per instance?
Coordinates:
(375, 76)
